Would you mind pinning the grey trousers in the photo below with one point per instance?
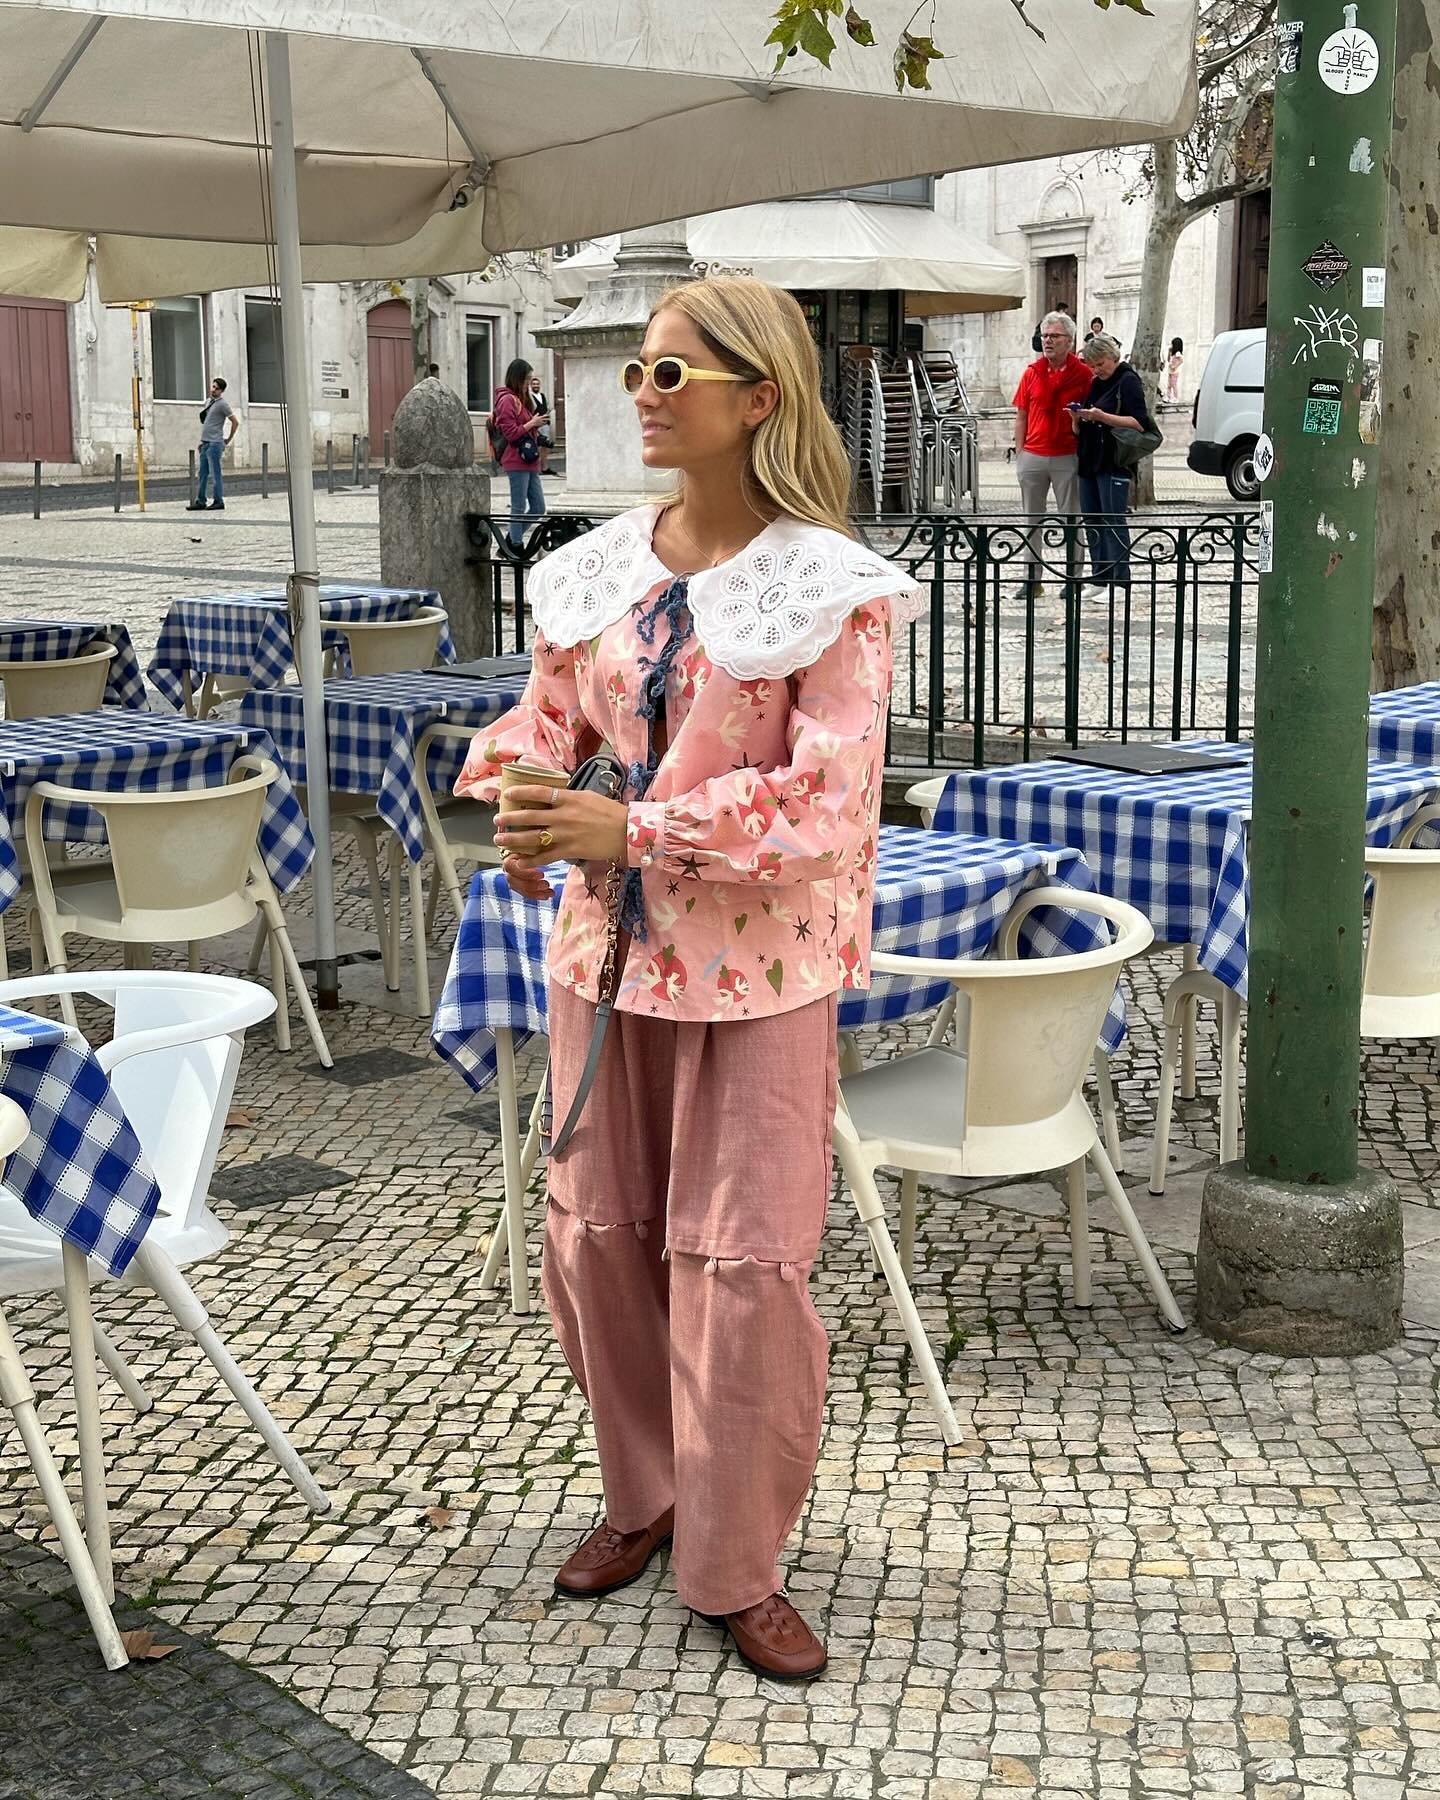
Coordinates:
(1038, 474)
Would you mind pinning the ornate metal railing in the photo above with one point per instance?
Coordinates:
(1017, 649)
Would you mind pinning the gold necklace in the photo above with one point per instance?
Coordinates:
(710, 564)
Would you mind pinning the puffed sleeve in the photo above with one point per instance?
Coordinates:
(809, 820)
(544, 729)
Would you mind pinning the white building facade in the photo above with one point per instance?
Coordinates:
(66, 371)
(1070, 223)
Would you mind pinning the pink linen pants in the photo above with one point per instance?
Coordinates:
(684, 1216)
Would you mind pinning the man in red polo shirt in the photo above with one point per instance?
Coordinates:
(1044, 438)
(1045, 456)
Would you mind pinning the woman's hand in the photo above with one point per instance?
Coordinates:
(1092, 415)
(557, 825)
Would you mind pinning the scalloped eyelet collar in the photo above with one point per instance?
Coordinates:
(768, 611)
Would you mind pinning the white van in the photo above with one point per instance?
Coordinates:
(1229, 410)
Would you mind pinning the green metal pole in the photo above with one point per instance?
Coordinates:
(1329, 205)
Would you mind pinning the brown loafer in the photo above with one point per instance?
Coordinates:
(610, 1559)
(774, 1640)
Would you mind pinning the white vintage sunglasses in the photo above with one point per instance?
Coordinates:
(669, 374)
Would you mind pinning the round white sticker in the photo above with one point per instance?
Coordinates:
(1264, 456)
(1349, 58)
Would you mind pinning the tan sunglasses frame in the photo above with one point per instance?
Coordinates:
(647, 372)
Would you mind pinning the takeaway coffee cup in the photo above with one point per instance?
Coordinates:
(514, 775)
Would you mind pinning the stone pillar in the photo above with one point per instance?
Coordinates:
(602, 444)
(433, 482)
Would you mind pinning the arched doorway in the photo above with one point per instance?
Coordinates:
(390, 365)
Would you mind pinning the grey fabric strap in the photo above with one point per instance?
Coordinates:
(603, 1010)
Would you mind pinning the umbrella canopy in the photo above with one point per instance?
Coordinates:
(823, 244)
(135, 119)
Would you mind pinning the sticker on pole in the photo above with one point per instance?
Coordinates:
(1263, 456)
(1265, 543)
(1326, 264)
(1349, 58)
(1371, 357)
(1372, 287)
(1322, 408)
(1289, 36)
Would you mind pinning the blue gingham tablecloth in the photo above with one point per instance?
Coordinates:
(81, 1170)
(249, 634)
(53, 640)
(142, 752)
(935, 895)
(373, 726)
(1175, 846)
(1405, 724)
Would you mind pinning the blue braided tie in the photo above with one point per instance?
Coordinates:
(671, 604)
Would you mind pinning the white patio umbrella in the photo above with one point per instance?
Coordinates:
(831, 244)
(136, 120)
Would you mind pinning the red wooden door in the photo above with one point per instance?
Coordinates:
(34, 381)
(390, 365)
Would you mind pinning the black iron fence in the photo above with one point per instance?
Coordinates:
(1020, 648)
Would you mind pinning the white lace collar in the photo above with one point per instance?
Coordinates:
(768, 611)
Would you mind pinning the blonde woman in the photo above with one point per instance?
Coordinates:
(732, 643)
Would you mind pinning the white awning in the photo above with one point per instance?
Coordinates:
(831, 244)
(133, 119)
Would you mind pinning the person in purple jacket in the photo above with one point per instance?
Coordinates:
(517, 426)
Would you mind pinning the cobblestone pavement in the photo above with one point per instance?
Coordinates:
(1152, 1566)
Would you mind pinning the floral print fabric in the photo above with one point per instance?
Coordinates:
(756, 842)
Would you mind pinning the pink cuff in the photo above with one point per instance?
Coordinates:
(644, 833)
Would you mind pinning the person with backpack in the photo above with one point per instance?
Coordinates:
(1114, 405)
(514, 431)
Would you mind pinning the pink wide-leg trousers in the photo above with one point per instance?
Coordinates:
(684, 1216)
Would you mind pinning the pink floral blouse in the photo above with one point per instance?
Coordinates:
(756, 842)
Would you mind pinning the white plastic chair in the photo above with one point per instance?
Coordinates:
(215, 690)
(388, 646)
(1400, 990)
(17, 1394)
(172, 1064)
(184, 866)
(1006, 1100)
(1400, 993)
(925, 797)
(455, 825)
(65, 684)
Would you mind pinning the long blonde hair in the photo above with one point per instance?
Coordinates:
(797, 459)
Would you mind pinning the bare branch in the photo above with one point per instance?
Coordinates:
(1026, 20)
(1229, 190)
(1210, 72)
(1227, 133)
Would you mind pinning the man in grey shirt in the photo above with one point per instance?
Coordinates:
(217, 414)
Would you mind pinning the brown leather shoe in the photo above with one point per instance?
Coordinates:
(774, 1640)
(610, 1559)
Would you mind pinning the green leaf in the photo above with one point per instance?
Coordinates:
(815, 39)
(860, 31)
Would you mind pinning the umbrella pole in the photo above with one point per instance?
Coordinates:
(284, 198)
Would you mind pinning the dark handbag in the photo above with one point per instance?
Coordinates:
(1129, 447)
(601, 774)
(528, 448)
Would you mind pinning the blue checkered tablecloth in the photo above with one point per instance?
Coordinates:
(81, 1170)
(935, 895)
(1177, 847)
(249, 634)
(144, 752)
(373, 725)
(1405, 724)
(54, 640)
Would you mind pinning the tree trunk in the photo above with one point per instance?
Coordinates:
(420, 326)
(1405, 643)
(1167, 220)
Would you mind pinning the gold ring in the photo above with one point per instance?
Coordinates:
(547, 838)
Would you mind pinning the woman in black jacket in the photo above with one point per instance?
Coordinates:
(1116, 398)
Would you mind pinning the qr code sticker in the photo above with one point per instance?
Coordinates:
(1322, 417)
